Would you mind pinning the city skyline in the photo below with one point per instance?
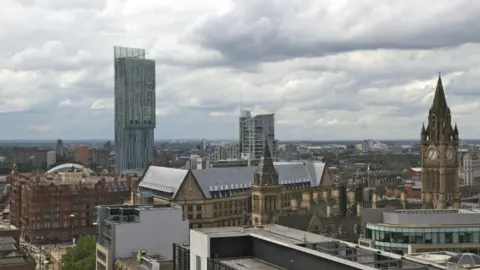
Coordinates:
(353, 79)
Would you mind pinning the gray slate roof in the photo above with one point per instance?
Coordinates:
(163, 179)
(222, 179)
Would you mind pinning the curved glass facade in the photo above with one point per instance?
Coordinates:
(396, 239)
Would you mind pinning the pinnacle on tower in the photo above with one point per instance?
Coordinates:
(439, 100)
(266, 162)
(423, 133)
(266, 172)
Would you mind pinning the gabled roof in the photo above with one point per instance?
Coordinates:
(215, 179)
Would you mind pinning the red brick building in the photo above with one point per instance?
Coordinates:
(56, 207)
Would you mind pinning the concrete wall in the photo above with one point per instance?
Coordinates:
(157, 231)
(434, 218)
(199, 246)
(51, 158)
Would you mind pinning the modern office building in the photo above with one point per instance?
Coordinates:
(278, 247)
(254, 131)
(138, 231)
(423, 230)
(134, 109)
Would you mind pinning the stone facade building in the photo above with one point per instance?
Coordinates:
(439, 158)
(59, 206)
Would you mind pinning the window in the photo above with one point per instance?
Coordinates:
(198, 263)
(102, 256)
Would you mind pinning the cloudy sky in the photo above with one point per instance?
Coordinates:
(327, 69)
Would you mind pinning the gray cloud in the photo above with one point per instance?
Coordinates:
(365, 70)
(273, 30)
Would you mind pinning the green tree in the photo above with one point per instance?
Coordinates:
(81, 256)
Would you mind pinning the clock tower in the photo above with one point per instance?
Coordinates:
(439, 145)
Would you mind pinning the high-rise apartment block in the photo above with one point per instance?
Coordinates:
(134, 109)
(254, 131)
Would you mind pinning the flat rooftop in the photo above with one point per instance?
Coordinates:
(249, 263)
(132, 263)
(140, 207)
(314, 245)
(275, 232)
(431, 218)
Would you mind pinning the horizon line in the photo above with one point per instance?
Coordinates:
(224, 139)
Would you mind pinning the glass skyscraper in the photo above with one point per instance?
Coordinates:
(134, 109)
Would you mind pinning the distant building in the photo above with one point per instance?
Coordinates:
(100, 157)
(204, 144)
(134, 109)
(81, 155)
(33, 157)
(373, 146)
(254, 131)
(51, 158)
(149, 231)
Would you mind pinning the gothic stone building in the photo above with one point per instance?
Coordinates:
(439, 158)
(216, 197)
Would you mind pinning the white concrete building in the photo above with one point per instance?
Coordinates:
(124, 230)
(470, 168)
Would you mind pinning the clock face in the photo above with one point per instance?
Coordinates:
(450, 154)
(432, 154)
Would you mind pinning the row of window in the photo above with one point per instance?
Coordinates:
(224, 223)
(422, 229)
(56, 224)
(405, 238)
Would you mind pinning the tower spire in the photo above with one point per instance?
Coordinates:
(266, 173)
(439, 100)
